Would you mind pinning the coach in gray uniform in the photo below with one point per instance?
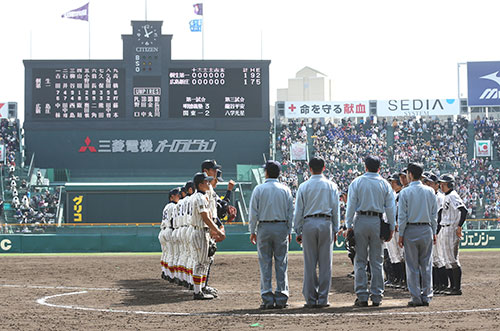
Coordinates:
(369, 197)
(317, 215)
(417, 219)
(270, 222)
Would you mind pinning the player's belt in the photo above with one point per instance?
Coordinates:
(273, 221)
(318, 215)
(370, 213)
(445, 225)
(204, 228)
(419, 223)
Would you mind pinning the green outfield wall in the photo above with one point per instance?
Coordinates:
(145, 239)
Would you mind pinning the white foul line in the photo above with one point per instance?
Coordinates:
(46, 287)
(43, 301)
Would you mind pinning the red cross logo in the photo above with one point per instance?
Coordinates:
(292, 108)
(87, 145)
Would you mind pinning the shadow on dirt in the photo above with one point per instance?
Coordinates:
(145, 292)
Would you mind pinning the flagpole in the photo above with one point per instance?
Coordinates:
(89, 36)
(261, 45)
(88, 21)
(202, 35)
(145, 10)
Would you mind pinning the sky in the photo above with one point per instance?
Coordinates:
(370, 49)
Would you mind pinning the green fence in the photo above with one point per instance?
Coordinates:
(145, 239)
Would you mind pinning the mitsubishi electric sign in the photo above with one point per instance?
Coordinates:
(483, 84)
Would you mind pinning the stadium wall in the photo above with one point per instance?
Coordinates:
(145, 239)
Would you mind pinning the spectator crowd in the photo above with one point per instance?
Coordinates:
(441, 145)
(31, 210)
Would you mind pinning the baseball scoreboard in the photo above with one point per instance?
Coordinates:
(146, 111)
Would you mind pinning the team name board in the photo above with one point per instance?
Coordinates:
(418, 107)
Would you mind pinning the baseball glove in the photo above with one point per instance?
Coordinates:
(212, 248)
(350, 239)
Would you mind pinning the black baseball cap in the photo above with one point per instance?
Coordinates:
(403, 172)
(272, 165)
(174, 191)
(189, 185)
(200, 177)
(447, 178)
(210, 164)
(219, 175)
(430, 177)
(394, 177)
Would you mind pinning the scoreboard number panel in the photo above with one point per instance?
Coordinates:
(78, 92)
(147, 89)
(215, 92)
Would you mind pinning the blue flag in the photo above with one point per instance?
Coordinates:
(81, 13)
(195, 25)
(198, 8)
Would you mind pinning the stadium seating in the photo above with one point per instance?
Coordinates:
(444, 146)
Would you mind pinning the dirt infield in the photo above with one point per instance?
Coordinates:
(125, 292)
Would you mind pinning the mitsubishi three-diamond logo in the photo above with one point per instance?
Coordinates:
(87, 146)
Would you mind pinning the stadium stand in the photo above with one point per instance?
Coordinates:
(444, 146)
(22, 204)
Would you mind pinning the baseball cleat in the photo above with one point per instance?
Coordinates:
(210, 290)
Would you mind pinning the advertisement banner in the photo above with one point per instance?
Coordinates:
(4, 110)
(418, 107)
(324, 109)
(483, 148)
(298, 151)
(483, 84)
(2, 153)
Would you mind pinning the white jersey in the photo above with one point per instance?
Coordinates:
(212, 196)
(200, 204)
(450, 213)
(440, 199)
(186, 210)
(164, 217)
(167, 215)
(175, 216)
(182, 212)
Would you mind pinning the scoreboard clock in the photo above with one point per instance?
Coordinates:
(147, 34)
(147, 50)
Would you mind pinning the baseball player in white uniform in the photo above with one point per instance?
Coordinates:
(451, 217)
(203, 229)
(439, 276)
(396, 253)
(166, 232)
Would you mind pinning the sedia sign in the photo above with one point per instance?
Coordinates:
(418, 107)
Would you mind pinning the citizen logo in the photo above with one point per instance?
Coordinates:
(146, 49)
